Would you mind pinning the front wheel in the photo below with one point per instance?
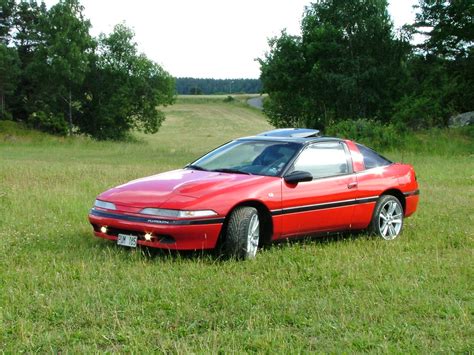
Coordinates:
(387, 221)
(243, 233)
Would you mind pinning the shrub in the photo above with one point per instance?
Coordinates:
(369, 132)
(420, 113)
(48, 122)
(6, 116)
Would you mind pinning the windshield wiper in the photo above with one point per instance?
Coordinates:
(231, 171)
(195, 167)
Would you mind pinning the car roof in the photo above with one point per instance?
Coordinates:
(293, 135)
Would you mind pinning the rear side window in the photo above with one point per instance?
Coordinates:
(371, 158)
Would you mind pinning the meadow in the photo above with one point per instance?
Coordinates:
(64, 290)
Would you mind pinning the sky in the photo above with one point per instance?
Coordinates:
(209, 38)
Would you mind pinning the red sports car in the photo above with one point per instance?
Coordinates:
(279, 184)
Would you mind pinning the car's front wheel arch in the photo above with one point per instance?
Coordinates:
(266, 229)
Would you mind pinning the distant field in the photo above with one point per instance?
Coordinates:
(240, 97)
(63, 290)
(195, 125)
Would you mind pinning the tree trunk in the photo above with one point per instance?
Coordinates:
(2, 100)
(70, 112)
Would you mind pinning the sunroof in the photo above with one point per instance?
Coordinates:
(292, 132)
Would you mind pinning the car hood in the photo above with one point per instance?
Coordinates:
(182, 185)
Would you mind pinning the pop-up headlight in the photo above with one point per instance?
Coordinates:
(161, 212)
(103, 204)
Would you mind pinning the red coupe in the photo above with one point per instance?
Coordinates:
(279, 184)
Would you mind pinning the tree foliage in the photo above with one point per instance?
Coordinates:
(65, 55)
(9, 72)
(442, 66)
(68, 81)
(448, 26)
(348, 63)
(124, 89)
(194, 86)
(7, 8)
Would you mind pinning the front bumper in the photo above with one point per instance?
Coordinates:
(181, 234)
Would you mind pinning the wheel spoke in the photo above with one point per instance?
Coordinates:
(253, 236)
(383, 215)
(384, 230)
(391, 209)
(392, 231)
(396, 221)
(255, 227)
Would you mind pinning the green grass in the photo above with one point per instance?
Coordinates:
(63, 290)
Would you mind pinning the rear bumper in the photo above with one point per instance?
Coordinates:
(411, 204)
(186, 235)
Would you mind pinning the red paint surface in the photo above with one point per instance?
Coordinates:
(221, 192)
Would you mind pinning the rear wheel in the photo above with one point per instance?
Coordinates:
(387, 221)
(243, 233)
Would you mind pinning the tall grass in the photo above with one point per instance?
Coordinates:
(63, 290)
(390, 137)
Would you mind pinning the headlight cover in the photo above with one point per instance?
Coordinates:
(161, 212)
(103, 204)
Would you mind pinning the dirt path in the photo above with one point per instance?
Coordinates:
(256, 102)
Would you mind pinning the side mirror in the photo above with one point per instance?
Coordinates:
(298, 176)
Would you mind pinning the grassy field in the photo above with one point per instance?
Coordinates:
(63, 290)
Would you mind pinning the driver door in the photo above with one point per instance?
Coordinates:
(327, 202)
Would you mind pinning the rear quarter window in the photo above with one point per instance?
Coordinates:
(371, 158)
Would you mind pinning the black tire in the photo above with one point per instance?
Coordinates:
(388, 209)
(239, 234)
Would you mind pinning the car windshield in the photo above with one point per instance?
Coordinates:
(248, 157)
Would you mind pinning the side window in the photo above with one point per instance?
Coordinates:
(323, 160)
(371, 158)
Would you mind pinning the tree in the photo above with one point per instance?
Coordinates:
(194, 86)
(123, 89)
(9, 72)
(448, 26)
(284, 74)
(442, 69)
(27, 20)
(9, 62)
(65, 54)
(346, 64)
(7, 8)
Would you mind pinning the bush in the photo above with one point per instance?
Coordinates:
(229, 99)
(48, 122)
(420, 113)
(6, 116)
(369, 132)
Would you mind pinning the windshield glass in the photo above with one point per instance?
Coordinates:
(249, 157)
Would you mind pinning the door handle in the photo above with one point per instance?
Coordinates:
(351, 185)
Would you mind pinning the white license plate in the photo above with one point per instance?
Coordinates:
(127, 240)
